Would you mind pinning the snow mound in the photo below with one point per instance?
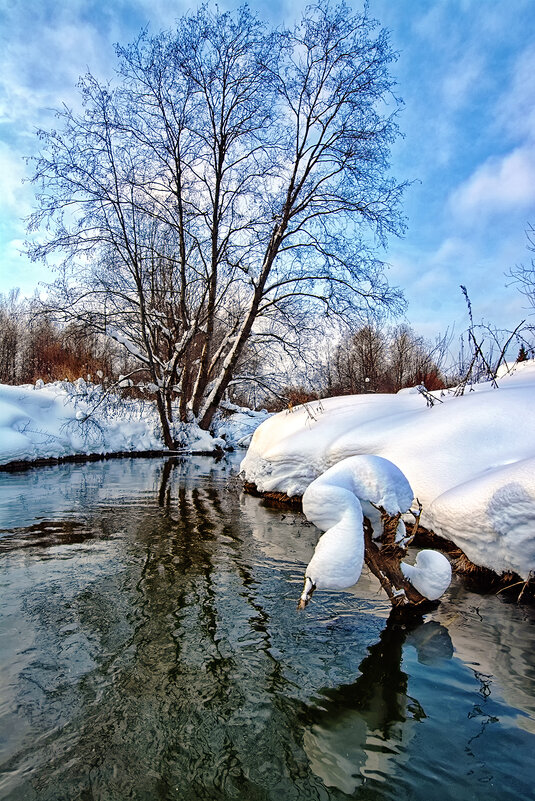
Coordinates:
(492, 517)
(61, 419)
(430, 574)
(469, 459)
(238, 427)
(369, 478)
(57, 420)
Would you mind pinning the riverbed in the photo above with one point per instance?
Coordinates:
(151, 649)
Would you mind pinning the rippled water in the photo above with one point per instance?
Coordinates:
(151, 649)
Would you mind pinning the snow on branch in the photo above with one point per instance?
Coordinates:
(359, 503)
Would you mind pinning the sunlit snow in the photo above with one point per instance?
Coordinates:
(61, 419)
(335, 502)
(470, 459)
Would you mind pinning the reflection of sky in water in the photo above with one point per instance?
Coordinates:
(72, 489)
(157, 653)
(437, 731)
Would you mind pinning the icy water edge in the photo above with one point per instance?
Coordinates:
(151, 649)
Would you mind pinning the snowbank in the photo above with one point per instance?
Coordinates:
(470, 460)
(61, 419)
(48, 421)
(236, 425)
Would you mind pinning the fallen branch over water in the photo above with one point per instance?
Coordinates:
(384, 563)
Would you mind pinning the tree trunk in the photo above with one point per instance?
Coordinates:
(166, 430)
(221, 383)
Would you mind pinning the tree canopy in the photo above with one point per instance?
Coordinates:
(229, 185)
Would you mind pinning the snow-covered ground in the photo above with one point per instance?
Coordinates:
(470, 460)
(62, 419)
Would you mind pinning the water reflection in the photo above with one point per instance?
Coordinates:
(495, 637)
(161, 656)
(46, 533)
(357, 729)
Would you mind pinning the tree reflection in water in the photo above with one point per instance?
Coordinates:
(356, 729)
(165, 659)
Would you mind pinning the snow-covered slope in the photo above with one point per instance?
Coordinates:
(62, 419)
(48, 420)
(470, 460)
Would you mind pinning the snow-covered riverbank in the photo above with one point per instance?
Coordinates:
(470, 460)
(61, 420)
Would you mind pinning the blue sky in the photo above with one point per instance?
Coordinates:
(465, 72)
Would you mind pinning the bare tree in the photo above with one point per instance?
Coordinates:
(375, 359)
(229, 187)
(414, 361)
(359, 361)
(10, 336)
(524, 274)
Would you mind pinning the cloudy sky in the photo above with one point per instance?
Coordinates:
(465, 72)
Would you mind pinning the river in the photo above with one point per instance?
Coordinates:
(151, 649)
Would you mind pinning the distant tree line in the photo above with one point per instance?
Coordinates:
(33, 347)
(375, 360)
(370, 359)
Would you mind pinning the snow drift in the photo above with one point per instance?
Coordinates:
(470, 459)
(51, 421)
(61, 419)
(335, 502)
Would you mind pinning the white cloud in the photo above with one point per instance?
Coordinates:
(451, 251)
(499, 184)
(463, 80)
(516, 107)
(46, 46)
(14, 197)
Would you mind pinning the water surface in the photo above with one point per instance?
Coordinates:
(151, 649)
